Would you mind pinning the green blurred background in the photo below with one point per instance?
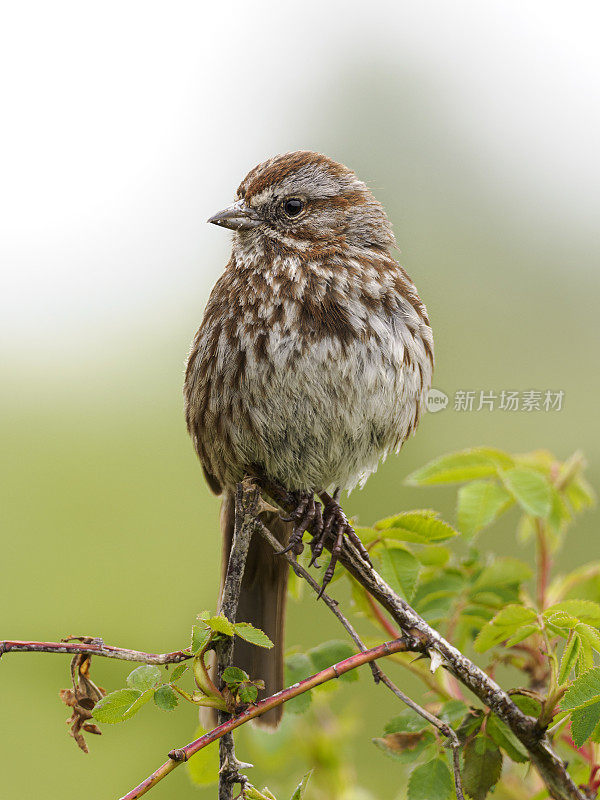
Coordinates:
(128, 125)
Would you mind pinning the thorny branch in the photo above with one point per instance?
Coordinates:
(551, 768)
(378, 673)
(246, 500)
(402, 645)
(92, 647)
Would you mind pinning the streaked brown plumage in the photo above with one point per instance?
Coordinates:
(313, 359)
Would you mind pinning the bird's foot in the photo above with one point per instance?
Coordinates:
(334, 524)
(306, 514)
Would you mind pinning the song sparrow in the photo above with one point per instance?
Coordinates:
(312, 362)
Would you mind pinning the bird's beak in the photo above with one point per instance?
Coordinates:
(237, 217)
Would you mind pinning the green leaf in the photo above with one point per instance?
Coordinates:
(203, 766)
(251, 634)
(530, 489)
(580, 494)
(200, 636)
(585, 610)
(179, 670)
(463, 466)
(482, 764)
(328, 653)
(252, 793)
(503, 572)
(505, 738)
(247, 693)
(590, 634)
(407, 721)
(112, 708)
(301, 788)
(584, 691)
(522, 633)
(583, 722)
(220, 624)
(166, 698)
(503, 625)
(452, 711)
(144, 677)
(479, 504)
(298, 667)
(400, 569)
(434, 555)
(233, 675)
(528, 705)
(422, 526)
(144, 698)
(431, 780)
(568, 660)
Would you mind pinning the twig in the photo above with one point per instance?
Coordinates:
(94, 648)
(551, 768)
(246, 499)
(442, 727)
(378, 673)
(177, 756)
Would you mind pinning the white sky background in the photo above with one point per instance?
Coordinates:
(126, 124)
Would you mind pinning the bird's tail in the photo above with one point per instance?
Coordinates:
(262, 604)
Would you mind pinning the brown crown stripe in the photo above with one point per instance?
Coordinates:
(276, 170)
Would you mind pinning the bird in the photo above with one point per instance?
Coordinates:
(312, 363)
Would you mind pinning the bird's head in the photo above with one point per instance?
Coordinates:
(301, 199)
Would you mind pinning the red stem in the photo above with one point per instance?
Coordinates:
(183, 754)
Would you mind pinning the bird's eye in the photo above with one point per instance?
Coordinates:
(292, 206)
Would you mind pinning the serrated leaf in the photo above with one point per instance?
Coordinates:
(166, 698)
(465, 465)
(298, 667)
(479, 504)
(203, 766)
(506, 739)
(328, 653)
(248, 693)
(112, 708)
(591, 634)
(530, 489)
(220, 624)
(585, 690)
(144, 698)
(452, 711)
(585, 610)
(431, 780)
(482, 765)
(301, 788)
(180, 670)
(144, 677)
(233, 675)
(522, 633)
(422, 527)
(583, 722)
(400, 569)
(470, 724)
(200, 636)
(568, 660)
(586, 655)
(503, 625)
(503, 572)
(251, 634)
